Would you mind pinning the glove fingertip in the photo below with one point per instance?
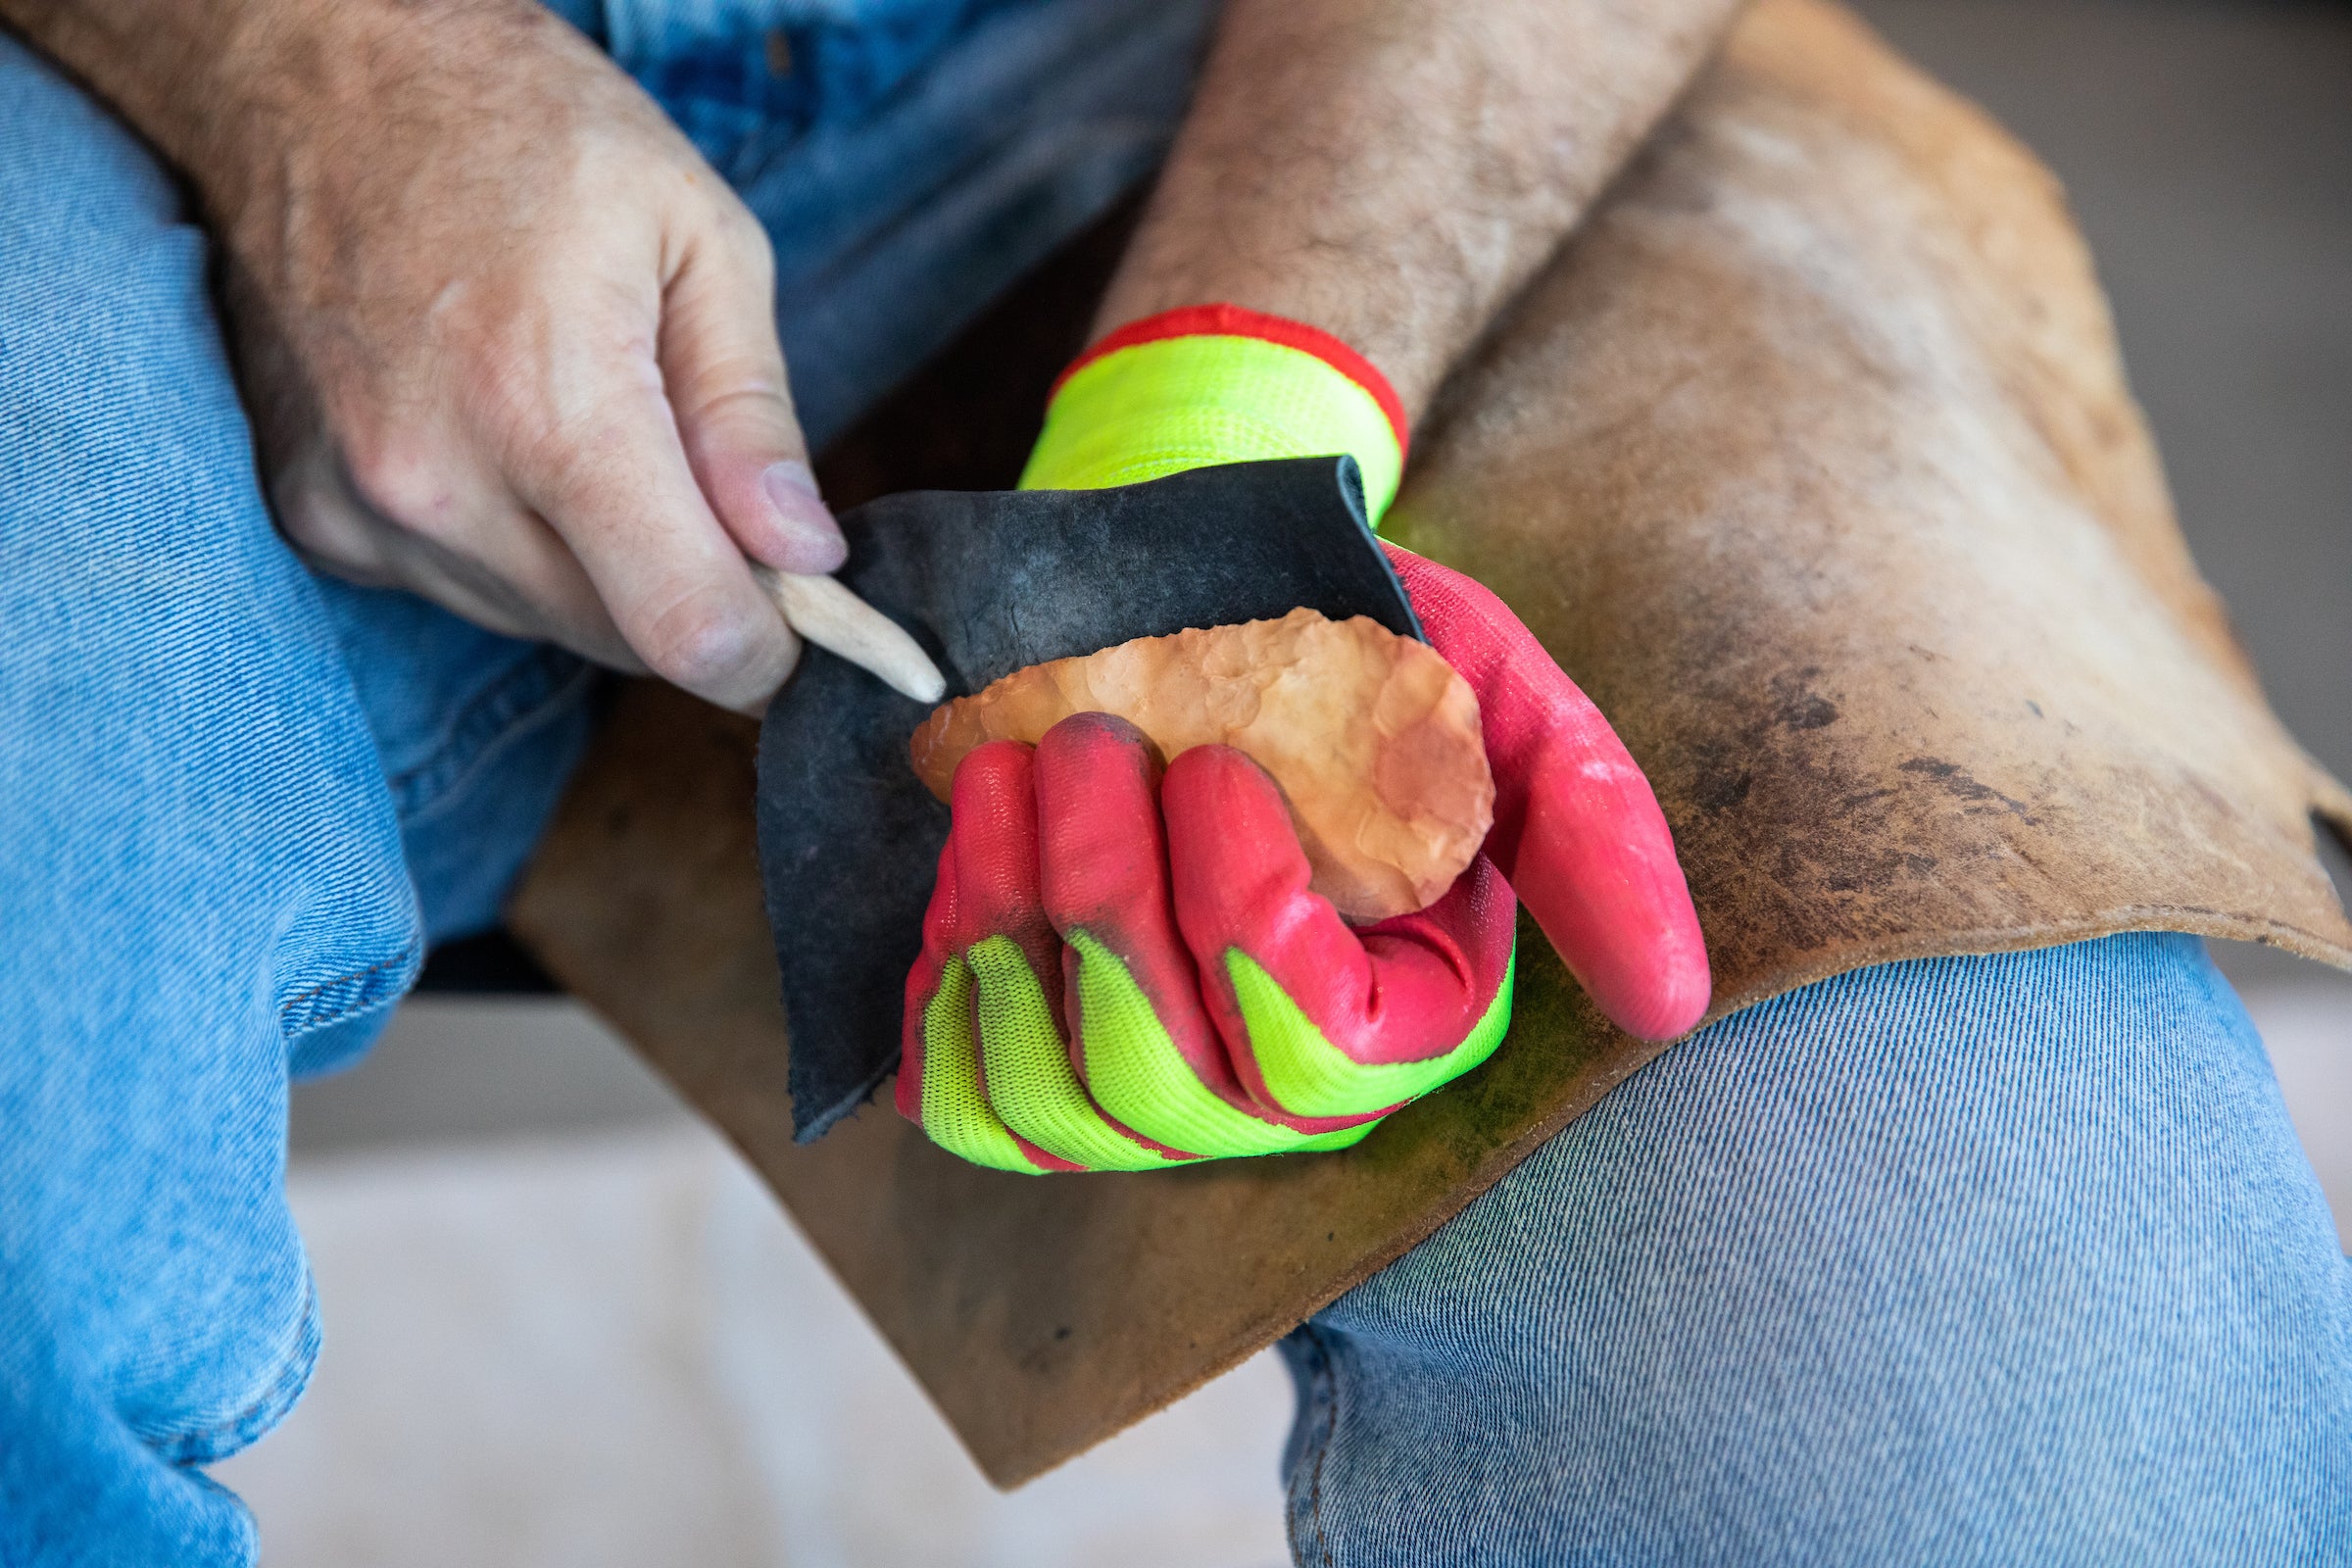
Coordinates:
(1639, 956)
(1663, 999)
(1089, 740)
(991, 771)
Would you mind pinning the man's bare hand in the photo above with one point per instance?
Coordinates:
(509, 341)
(512, 345)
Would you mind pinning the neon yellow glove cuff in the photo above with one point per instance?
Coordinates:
(1215, 383)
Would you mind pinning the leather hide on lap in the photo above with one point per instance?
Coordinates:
(1812, 459)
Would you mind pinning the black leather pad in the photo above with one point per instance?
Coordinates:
(991, 582)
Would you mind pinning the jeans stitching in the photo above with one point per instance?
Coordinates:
(531, 690)
(458, 719)
(305, 1012)
(1324, 1401)
(221, 1439)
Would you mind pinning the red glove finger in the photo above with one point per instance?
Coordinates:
(988, 886)
(1105, 874)
(1407, 991)
(1576, 828)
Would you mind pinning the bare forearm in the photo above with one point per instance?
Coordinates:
(164, 65)
(1391, 171)
(222, 88)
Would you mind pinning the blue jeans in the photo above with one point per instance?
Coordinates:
(2010, 1258)
(1967, 1261)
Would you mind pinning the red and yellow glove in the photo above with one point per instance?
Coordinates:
(1122, 970)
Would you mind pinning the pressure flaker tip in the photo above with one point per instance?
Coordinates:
(828, 614)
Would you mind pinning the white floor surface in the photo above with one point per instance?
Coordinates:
(610, 1351)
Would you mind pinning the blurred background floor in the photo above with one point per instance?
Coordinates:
(564, 1328)
(607, 1349)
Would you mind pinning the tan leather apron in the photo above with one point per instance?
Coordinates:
(1810, 458)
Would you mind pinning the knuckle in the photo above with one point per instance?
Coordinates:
(706, 645)
(739, 408)
(509, 389)
(402, 478)
(327, 531)
(714, 216)
(544, 446)
(743, 235)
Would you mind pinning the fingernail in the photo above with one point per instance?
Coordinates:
(811, 539)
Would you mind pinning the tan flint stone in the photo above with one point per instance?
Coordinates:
(1373, 738)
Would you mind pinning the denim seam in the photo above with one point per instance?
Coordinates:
(531, 692)
(460, 717)
(1323, 1411)
(324, 1003)
(218, 1441)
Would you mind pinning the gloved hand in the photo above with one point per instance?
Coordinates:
(1121, 969)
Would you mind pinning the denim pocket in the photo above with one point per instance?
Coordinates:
(746, 78)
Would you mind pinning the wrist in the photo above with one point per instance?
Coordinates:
(1210, 384)
(184, 72)
(253, 100)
